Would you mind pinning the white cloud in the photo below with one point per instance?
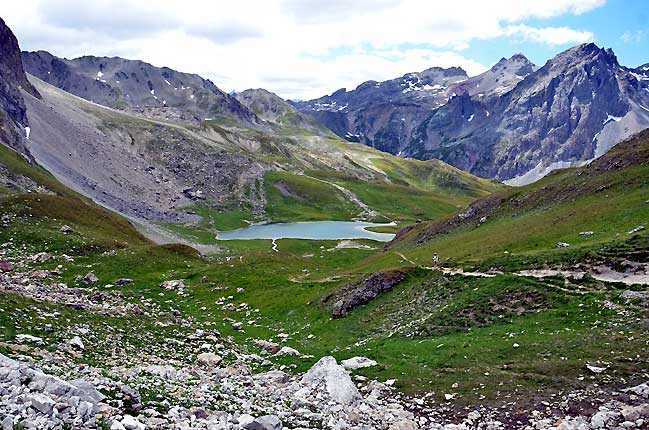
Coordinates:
(297, 48)
(550, 35)
(636, 36)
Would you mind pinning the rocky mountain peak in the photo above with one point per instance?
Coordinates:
(512, 120)
(265, 104)
(12, 79)
(519, 64)
(11, 66)
(447, 72)
(272, 108)
(587, 53)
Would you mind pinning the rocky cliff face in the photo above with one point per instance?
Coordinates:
(386, 114)
(13, 118)
(140, 87)
(514, 122)
(573, 109)
(383, 114)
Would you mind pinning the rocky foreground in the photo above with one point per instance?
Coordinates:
(232, 397)
(192, 377)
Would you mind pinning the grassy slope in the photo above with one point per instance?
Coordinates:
(37, 218)
(304, 199)
(16, 164)
(529, 221)
(429, 333)
(399, 189)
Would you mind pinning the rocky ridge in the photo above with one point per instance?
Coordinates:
(136, 86)
(272, 108)
(514, 122)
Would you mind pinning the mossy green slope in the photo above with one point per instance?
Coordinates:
(521, 226)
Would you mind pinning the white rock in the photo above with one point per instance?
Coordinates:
(267, 422)
(77, 343)
(42, 403)
(404, 425)
(209, 359)
(29, 338)
(358, 363)
(287, 350)
(117, 426)
(174, 284)
(595, 369)
(640, 390)
(245, 419)
(131, 423)
(326, 375)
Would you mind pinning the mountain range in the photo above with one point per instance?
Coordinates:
(161, 146)
(514, 122)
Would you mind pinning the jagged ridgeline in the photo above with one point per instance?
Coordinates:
(515, 122)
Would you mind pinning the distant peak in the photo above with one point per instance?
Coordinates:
(588, 51)
(449, 71)
(519, 63)
(519, 57)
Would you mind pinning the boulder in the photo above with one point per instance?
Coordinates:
(29, 338)
(174, 284)
(76, 343)
(272, 378)
(123, 281)
(358, 363)
(329, 377)
(245, 419)
(209, 359)
(42, 403)
(404, 425)
(363, 291)
(271, 347)
(131, 423)
(90, 278)
(267, 422)
(6, 266)
(640, 390)
(287, 350)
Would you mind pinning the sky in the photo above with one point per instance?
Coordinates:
(303, 49)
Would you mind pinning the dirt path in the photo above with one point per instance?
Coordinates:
(601, 273)
(406, 259)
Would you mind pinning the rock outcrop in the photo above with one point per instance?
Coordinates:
(14, 127)
(362, 291)
(45, 401)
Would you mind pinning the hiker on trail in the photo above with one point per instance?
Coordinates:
(436, 259)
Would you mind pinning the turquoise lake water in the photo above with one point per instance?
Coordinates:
(316, 230)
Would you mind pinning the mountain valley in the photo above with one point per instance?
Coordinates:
(517, 305)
